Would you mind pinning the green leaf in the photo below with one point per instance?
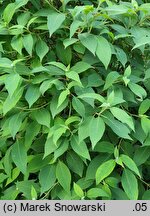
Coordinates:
(54, 21)
(63, 176)
(96, 192)
(65, 55)
(137, 90)
(33, 193)
(112, 181)
(127, 71)
(58, 133)
(80, 148)
(15, 123)
(122, 116)
(69, 41)
(32, 94)
(58, 64)
(2, 177)
(103, 47)
(37, 163)
(47, 84)
(145, 123)
(78, 106)
(74, 27)
(28, 43)
(62, 97)
(20, 3)
(7, 161)
(47, 177)
(1, 47)
(130, 164)
(14, 79)
(121, 56)
(84, 184)
(38, 69)
(6, 63)
(31, 131)
(61, 150)
(74, 76)
(64, 3)
(15, 174)
(126, 80)
(41, 49)
(78, 190)
(117, 127)
(83, 129)
(19, 156)
(80, 67)
(105, 170)
(17, 44)
(53, 106)
(95, 80)
(24, 187)
(72, 119)
(110, 79)
(9, 12)
(90, 92)
(147, 74)
(130, 185)
(146, 195)
(10, 193)
(81, 49)
(96, 130)
(93, 96)
(140, 37)
(147, 141)
(104, 146)
(119, 194)
(42, 116)
(89, 41)
(10, 102)
(144, 106)
(141, 155)
(75, 163)
(139, 132)
(94, 164)
(23, 18)
(49, 147)
(142, 42)
(116, 9)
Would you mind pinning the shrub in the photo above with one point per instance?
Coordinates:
(74, 99)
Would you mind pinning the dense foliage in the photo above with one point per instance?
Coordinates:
(74, 99)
